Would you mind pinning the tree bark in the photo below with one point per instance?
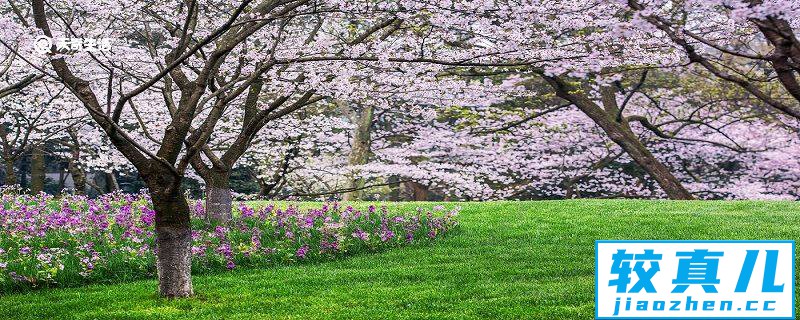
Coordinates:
(74, 164)
(263, 188)
(78, 177)
(394, 194)
(111, 182)
(359, 153)
(11, 175)
(61, 177)
(780, 34)
(76, 172)
(173, 245)
(173, 234)
(24, 166)
(38, 168)
(418, 191)
(219, 200)
(621, 134)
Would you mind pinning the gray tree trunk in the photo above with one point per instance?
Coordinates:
(73, 165)
(77, 173)
(219, 200)
(173, 245)
(359, 154)
(38, 168)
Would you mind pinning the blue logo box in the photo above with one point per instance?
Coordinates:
(694, 279)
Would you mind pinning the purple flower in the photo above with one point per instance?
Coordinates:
(302, 251)
(246, 211)
(255, 238)
(225, 251)
(198, 209)
(44, 258)
(329, 245)
(148, 216)
(220, 232)
(199, 251)
(387, 235)
(87, 263)
(119, 227)
(16, 277)
(360, 234)
(307, 222)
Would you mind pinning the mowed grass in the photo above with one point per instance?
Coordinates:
(530, 260)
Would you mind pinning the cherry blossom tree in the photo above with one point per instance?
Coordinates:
(163, 170)
(470, 99)
(219, 57)
(36, 113)
(759, 34)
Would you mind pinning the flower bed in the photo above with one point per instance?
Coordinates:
(46, 242)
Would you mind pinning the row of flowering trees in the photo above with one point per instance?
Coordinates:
(463, 99)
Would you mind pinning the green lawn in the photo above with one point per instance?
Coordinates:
(509, 260)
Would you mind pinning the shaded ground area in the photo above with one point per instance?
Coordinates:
(509, 260)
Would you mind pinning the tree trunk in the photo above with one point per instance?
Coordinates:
(394, 193)
(263, 188)
(38, 168)
(419, 192)
(11, 175)
(780, 34)
(173, 244)
(569, 190)
(621, 134)
(61, 177)
(74, 164)
(24, 166)
(219, 200)
(173, 233)
(359, 153)
(78, 176)
(642, 156)
(111, 182)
